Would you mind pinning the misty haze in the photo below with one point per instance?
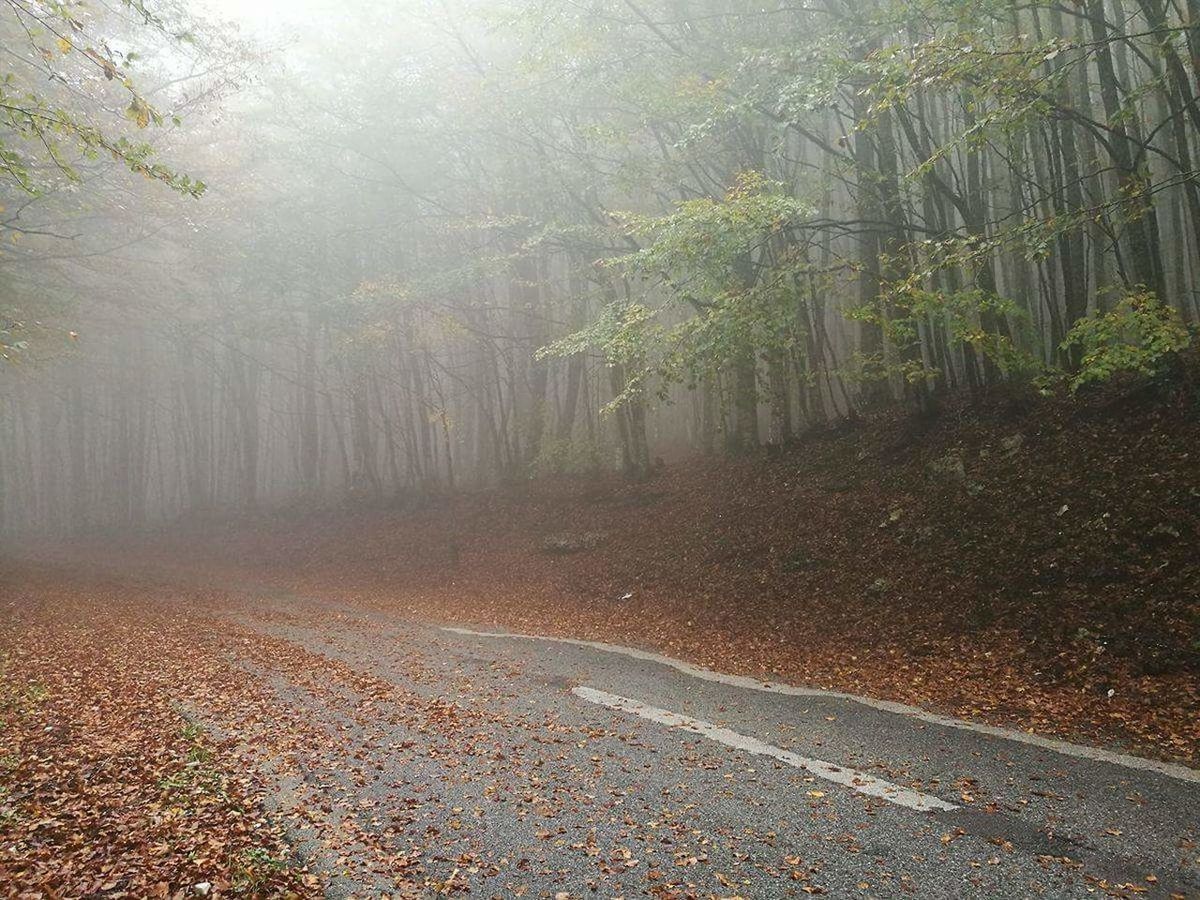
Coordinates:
(599, 448)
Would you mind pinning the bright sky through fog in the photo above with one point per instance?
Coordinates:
(267, 16)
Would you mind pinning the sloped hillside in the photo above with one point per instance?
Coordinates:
(1022, 559)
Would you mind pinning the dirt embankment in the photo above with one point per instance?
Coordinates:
(1024, 560)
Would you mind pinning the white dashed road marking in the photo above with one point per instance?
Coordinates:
(857, 781)
(1171, 770)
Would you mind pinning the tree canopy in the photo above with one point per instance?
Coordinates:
(454, 242)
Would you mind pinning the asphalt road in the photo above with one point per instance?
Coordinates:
(513, 767)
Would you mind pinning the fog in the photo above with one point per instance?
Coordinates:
(372, 253)
(599, 448)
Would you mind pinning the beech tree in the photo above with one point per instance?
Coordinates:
(450, 245)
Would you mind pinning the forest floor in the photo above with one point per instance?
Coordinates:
(1021, 560)
(108, 785)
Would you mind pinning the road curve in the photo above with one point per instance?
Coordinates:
(559, 769)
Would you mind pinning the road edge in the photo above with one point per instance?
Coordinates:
(1095, 754)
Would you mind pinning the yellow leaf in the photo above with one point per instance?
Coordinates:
(139, 112)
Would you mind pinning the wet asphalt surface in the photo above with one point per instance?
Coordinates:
(481, 774)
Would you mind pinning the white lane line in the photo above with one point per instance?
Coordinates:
(857, 781)
(1096, 754)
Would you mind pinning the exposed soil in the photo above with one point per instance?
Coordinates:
(1019, 559)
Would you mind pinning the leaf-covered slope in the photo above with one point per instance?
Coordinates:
(1016, 559)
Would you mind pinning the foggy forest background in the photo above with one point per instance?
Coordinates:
(438, 244)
